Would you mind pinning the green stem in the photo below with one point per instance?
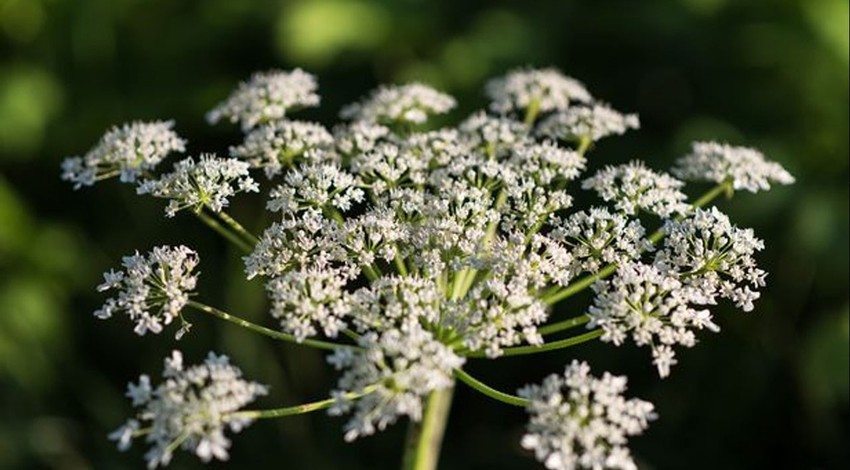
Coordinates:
(424, 438)
(298, 409)
(238, 228)
(224, 232)
(553, 346)
(263, 330)
(490, 391)
(564, 325)
(531, 112)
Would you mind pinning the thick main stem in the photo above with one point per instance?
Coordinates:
(425, 438)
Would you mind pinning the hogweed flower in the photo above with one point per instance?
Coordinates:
(127, 152)
(402, 365)
(207, 183)
(541, 90)
(267, 97)
(405, 104)
(580, 421)
(407, 253)
(746, 168)
(653, 307)
(278, 145)
(587, 123)
(191, 409)
(152, 289)
(633, 187)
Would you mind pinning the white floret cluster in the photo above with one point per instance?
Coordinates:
(579, 421)
(633, 187)
(151, 289)
(546, 89)
(746, 168)
(405, 104)
(267, 97)
(128, 151)
(191, 409)
(209, 183)
(408, 248)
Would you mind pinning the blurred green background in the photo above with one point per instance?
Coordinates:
(770, 391)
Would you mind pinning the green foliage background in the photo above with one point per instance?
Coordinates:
(771, 390)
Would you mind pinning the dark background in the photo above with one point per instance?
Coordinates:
(770, 390)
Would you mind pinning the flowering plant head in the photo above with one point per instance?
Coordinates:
(410, 251)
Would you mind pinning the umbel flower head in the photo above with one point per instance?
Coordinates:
(580, 421)
(745, 167)
(127, 152)
(405, 104)
(191, 409)
(280, 144)
(587, 123)
(152, 289)
(546, 89)
(267, 97)
(209, 182)
(633, 187)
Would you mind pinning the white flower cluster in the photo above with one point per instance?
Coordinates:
(633, 187)
(714, 255)
(397, 367)
(580, 421)
(546, 89)
(191, 409)
(745, 167)
(267, 97)
(127, 152)
(278, 145)
(590, 123)
(429, 247)
(654, 307)
(209, 182)
(152, 289)
(404, 104)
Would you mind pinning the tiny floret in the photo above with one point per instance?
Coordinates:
(579, 421)
(746, 168)
(152, 289)
(127, 152)
(267, 97)
(546, 89)
(207, 183)
(191, 409)
(405, 104)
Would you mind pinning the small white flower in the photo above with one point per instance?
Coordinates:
(493, 136)
(209, 182)
(633, 186)
(547, 89)
(401, 365)
(745, 167)
(152, 289)
(281, 144)
(581, 422)
(547, 163)
(587, 122)
(267, 97)
(653, 307)
(191, 410)
(405, 104)
(359, 137)
(127, 151)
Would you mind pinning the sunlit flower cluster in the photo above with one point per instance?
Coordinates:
(152, 289)
(191, 409)
(408, 249)
(579, 421)
(127, 152)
